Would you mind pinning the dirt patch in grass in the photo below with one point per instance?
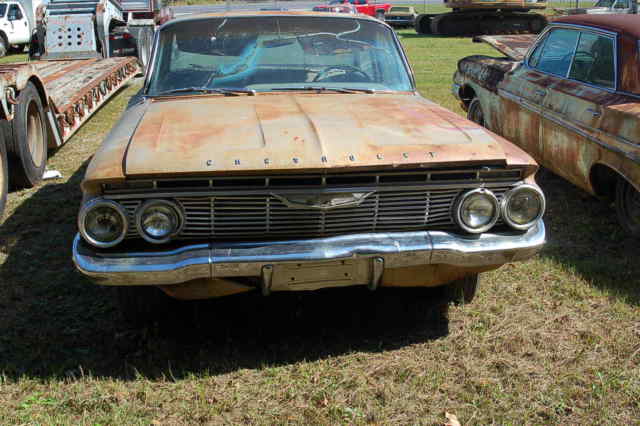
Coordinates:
(552, 340)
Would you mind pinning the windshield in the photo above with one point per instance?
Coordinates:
(267, 53)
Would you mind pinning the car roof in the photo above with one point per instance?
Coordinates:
(619, 23)
(243, 14)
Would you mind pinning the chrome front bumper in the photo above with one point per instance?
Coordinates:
(224, 260)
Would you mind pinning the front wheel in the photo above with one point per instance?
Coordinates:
(3, 46)
(463, 291)
(628, 206)
(475, 113)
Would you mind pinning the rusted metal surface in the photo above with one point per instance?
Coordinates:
(73, 89)
(513, 46)
(294, 132)
(568, 126)
(485, 70)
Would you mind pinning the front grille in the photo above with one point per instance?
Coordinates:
(263, 216)
(244, 207)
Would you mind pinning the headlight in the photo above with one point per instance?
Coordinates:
(477, 210)
(103, 223)
(523, 206)
(158, 221)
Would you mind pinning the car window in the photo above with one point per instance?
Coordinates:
(3, 9)
(622, 4)
(265, 53)
(14, 12)
(555, 54)
(594, 60)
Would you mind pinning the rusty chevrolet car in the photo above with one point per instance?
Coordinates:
(289, 151)
(571, 99)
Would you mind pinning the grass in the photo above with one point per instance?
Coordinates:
(554, 340)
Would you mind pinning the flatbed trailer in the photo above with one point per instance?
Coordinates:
(43, 103)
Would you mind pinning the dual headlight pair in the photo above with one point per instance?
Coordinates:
(105, 223)
(476, 211)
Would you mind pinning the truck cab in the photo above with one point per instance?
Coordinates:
(15, 27)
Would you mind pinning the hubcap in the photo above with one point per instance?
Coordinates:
(35, 135)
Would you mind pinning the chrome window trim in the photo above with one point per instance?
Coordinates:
(610, 34)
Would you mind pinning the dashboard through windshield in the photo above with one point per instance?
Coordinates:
(271, 52)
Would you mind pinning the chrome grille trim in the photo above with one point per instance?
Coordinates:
(244, 215)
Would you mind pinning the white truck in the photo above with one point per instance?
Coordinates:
(17, 21)
(76, 63)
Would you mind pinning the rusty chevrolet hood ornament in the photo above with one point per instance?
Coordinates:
(205, 134)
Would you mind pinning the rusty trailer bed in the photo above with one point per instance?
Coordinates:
(73, 89)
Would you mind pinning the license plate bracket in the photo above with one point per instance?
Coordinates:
(316, 275)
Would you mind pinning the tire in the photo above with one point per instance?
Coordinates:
(142, 305)
(27, 149)
(380, 15)
(474, 112)
(463, 291)
(16, 48)
(628, 206)
(3, 46)
(4, 175)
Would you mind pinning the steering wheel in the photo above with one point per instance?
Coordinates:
(348, 68)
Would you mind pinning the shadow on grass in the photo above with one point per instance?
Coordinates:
(55, 323)
(585, 237)
(53, 320)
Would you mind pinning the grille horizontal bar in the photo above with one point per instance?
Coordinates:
(260, 217)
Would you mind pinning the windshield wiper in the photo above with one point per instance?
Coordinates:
(224, 91)
(325, 89)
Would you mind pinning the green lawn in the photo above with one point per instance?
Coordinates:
(555, 340)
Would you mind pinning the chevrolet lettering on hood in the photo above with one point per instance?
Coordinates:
(290, 151)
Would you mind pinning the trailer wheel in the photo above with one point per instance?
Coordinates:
(4, 175)
(28, 148)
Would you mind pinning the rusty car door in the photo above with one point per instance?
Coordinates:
(525, 89)
(573, 108)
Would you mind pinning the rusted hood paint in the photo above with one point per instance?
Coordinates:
(514, 46)
(215, 134)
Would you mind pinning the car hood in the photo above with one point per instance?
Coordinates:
(513, 46)
(284, 132)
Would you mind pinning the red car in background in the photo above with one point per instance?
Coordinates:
(377, 10)
(336, 8)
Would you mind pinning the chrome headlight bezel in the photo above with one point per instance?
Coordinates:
(504, 206)
(171, 205)
(96, 203)
(478, 192)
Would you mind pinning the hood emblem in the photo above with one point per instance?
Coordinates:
(323, 202)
